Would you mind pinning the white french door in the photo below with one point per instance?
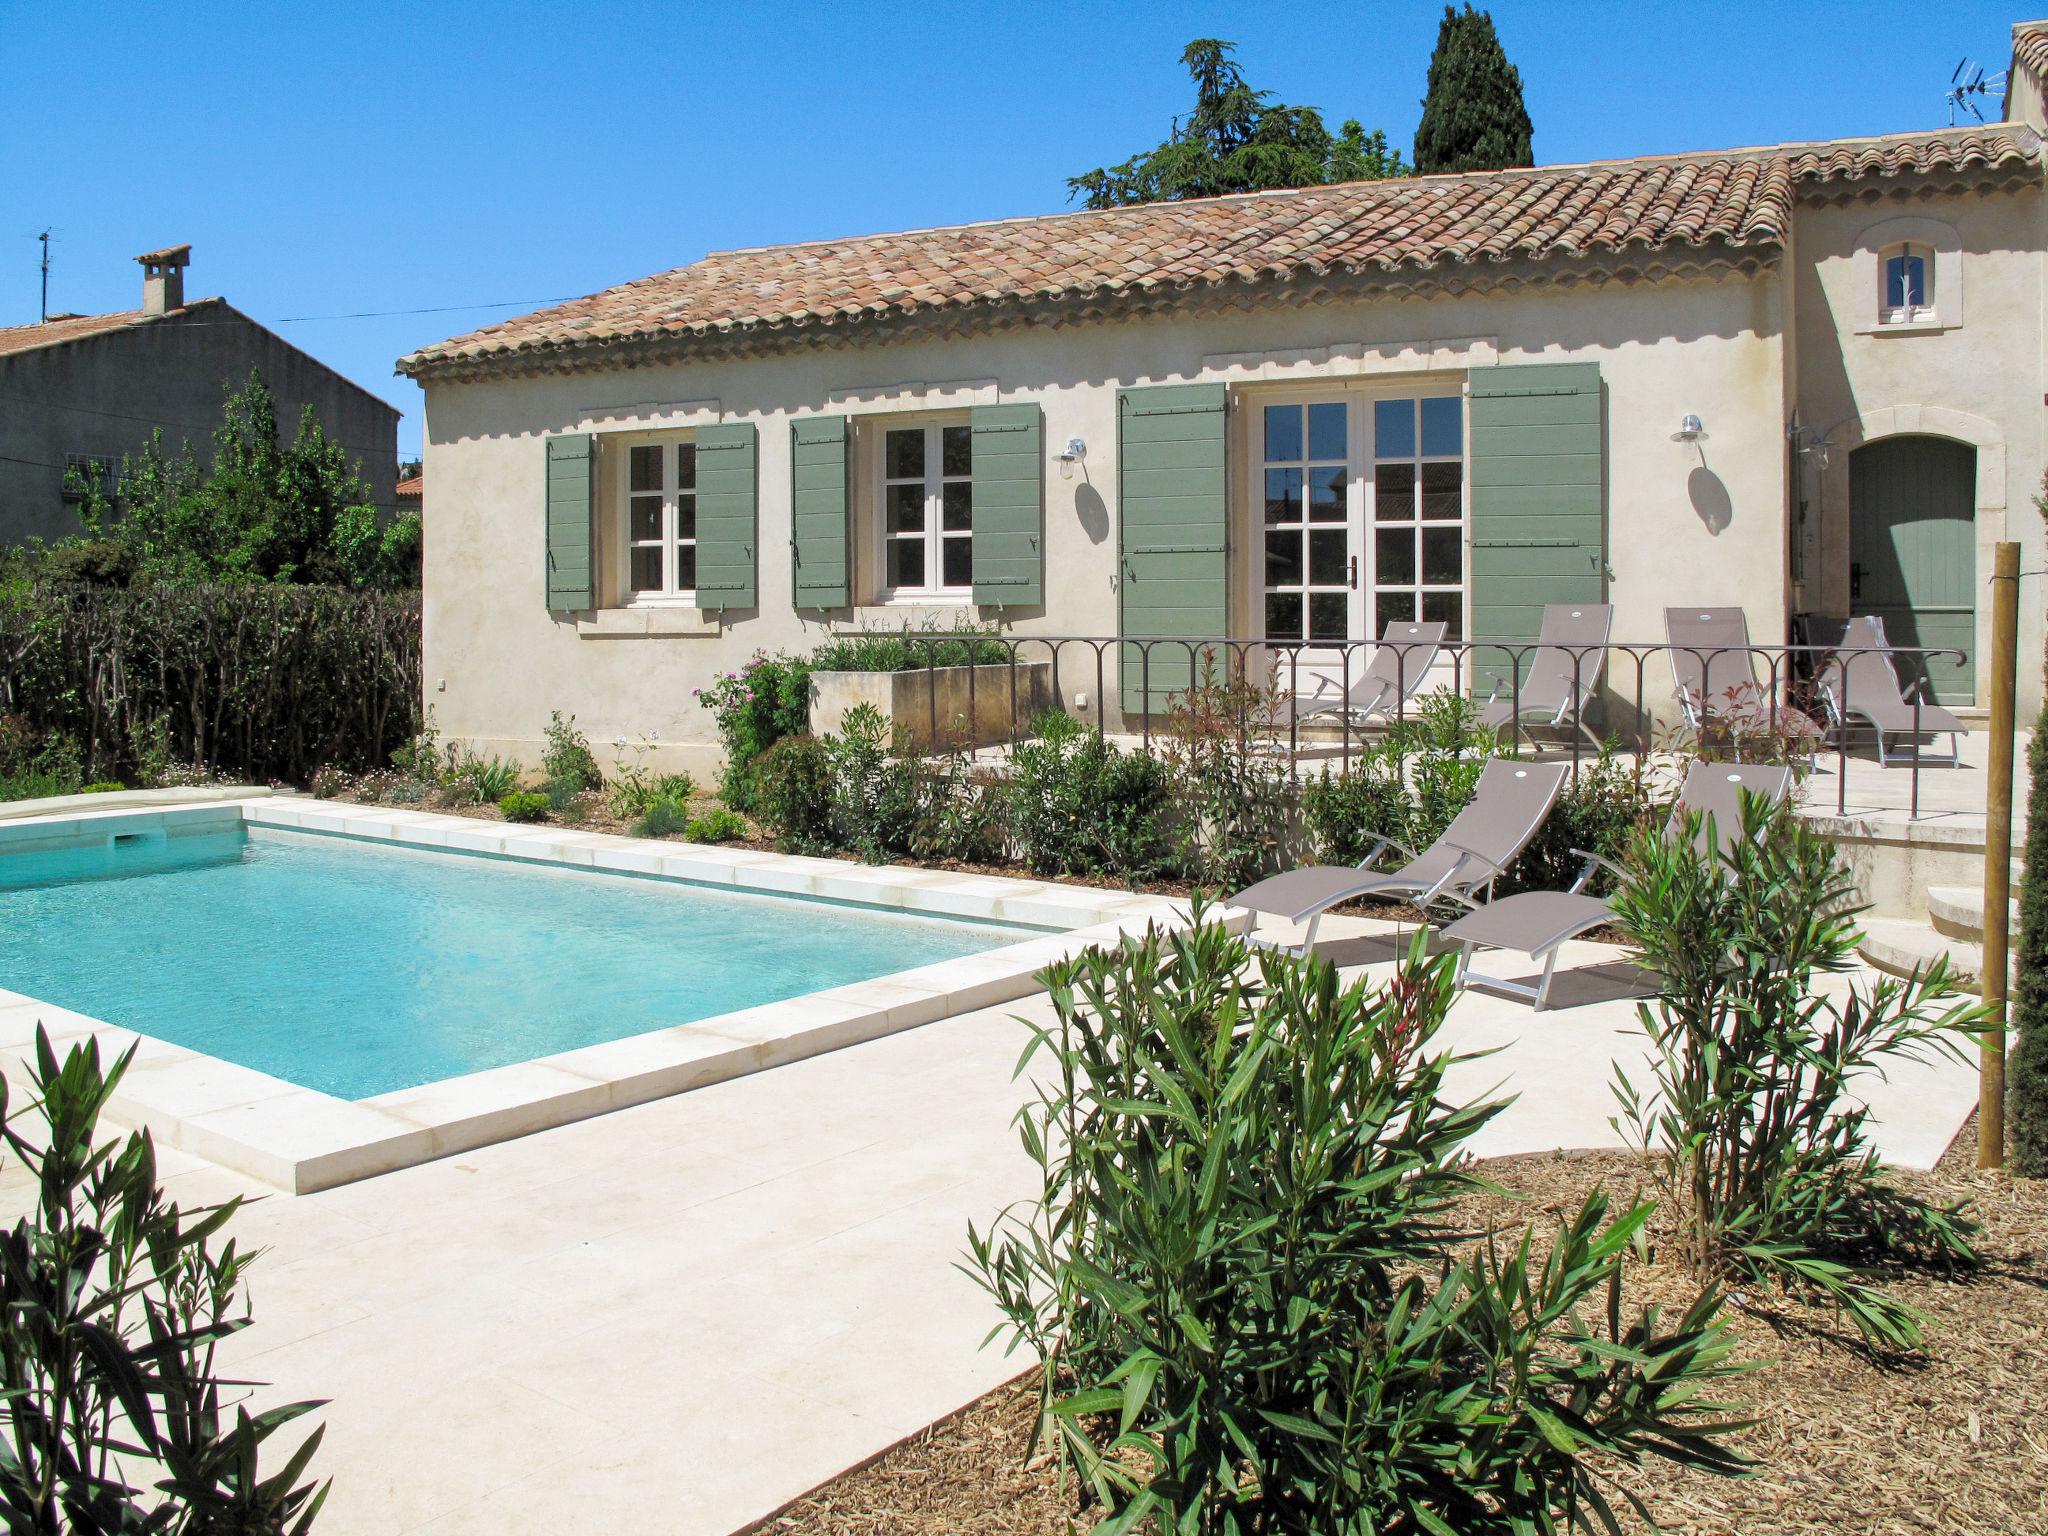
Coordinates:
(1361, 505)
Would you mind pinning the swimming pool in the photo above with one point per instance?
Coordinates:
(358, 969)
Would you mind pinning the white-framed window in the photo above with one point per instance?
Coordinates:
(1361, 507)
(926, 499)
(661, 522)
(1906, 285)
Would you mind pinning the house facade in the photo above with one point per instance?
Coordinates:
(1806, 380)
(82, 391)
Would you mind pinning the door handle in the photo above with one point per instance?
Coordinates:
(1855, 581)
(1354, 573)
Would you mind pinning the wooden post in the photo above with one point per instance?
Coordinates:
(2005, 624)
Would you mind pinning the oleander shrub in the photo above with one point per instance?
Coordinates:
(113, 1302)
(873, 806)
(256, 682)
(1757, 1145)
(755, 707)
(566, 758)
(793, 794)
(1080, 805)
(525, 805)
(1224, 745)
(1244, 1291)
(717, 825)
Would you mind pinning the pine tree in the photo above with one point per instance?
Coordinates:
(1473, 118)
(1237, 140)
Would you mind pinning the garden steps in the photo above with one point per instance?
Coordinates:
(1958, 911)
(1899, 946)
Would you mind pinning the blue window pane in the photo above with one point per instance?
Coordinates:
(1443, 427)
(1905, 282)
(1393, 429)
(1283, 433)
(1326, 432)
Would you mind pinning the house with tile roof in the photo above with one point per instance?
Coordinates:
(82, 391)
(1802, 379)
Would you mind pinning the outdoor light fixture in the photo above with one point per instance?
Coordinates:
(1690, 431)
(1074, 453)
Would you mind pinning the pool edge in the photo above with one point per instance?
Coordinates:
(300, 1141)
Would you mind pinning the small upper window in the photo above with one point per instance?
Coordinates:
(1906, 277)
(661, 520)
(928, 510)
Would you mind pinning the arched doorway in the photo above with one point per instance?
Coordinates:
(1913, 550)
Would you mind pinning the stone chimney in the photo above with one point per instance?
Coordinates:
(163, 279)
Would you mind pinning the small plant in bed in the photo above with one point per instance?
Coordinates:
(566, 757)
(1249, 1309)
(113, 1303)
(1753, 1135)
(717, 825)
(525, 805)
(662, 817)
(473, 779)
(907, 649)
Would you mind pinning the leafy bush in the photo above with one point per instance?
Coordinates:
(525, 805)
(662, 817)
(1758, 1147)
(793, 795)
(908, 650)
(327, 783)
(1601, 813)
(1224, 746)
(1080, 805)
(1446, 749)
(767, 699)
(36, 763)
(717, 825)
(872, 809)
(566, 758)
(2029, 1007)
(254, 682)
(106, 787)
(113, 1301)
(1345, 810)
(1240, 1285)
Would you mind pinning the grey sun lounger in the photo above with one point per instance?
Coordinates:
(1399, 664)
(1709, 655)
(1865, 686)
(1509, 803)
(1537, 923)
(1571, 651)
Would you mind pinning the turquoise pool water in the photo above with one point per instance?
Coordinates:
(358, 968)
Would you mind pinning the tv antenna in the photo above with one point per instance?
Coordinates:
(44, 237)
(1965, 86)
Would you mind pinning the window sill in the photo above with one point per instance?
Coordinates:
(1908, 327)
(673, 620)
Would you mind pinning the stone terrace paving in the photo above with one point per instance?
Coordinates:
(680, 1316)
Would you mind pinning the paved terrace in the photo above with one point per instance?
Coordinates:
(679, 1316)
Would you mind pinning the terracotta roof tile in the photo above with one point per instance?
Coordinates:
(2030, 46)
(412, 487)
(53, 333)
(1739, 198)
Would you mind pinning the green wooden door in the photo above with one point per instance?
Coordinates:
(1913, 551)
(1172, 505)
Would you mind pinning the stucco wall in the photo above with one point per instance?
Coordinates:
(1687, 524)
(1977, 377)
(102, 394)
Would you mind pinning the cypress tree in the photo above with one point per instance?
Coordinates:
(2027, 1005)
(1473, 118)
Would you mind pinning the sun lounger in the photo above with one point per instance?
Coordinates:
(1860, 682)
(1509, 803)
(1571, 650)
(1710, 661)
(1399, 664)
(1537, 923)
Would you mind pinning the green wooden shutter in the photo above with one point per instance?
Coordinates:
(571, 485)
(822, 567)
(727, 516)
(1173, 500)
(1538, 532)
(1009, 488)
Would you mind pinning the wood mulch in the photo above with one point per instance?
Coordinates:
(1953, 1441)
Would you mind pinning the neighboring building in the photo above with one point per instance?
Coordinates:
(1293, 412)
(87, 389)
(411, 494)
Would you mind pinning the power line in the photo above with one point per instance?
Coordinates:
(439, 309)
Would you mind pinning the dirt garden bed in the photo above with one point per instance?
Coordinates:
(1954, 1441)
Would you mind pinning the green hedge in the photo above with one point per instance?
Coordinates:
(256, 682)
(2027, 1010)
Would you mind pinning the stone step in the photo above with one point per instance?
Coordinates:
(1899, 946)
(1958, 912)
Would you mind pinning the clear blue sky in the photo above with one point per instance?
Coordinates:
(342, 158)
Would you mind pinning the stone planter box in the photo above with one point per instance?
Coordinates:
(905, 699)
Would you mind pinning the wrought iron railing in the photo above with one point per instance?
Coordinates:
(1791, 683)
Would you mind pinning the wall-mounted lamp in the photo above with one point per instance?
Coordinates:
(1690, 431)
(1072, 454)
